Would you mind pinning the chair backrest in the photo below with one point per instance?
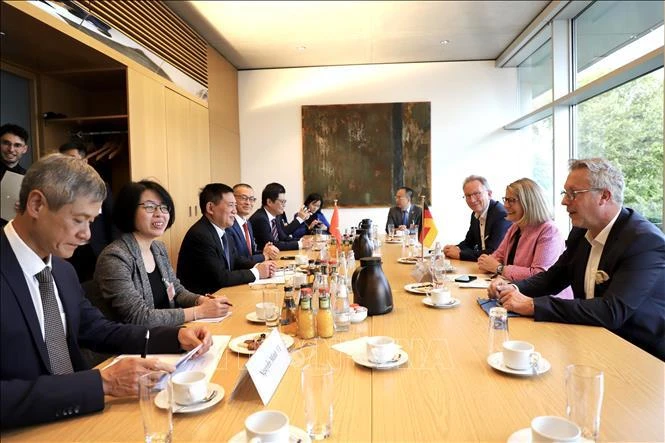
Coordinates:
(94, 294)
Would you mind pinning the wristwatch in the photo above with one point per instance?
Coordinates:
(499, 269)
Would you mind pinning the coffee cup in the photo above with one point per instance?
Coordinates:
(519, 355)
(302, 259)
(189, 387)
(381, 349)
(440, 296)
(550, 429)
(267, 427)
(260, 311)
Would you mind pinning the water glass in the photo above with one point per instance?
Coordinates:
(317, 388)
(272, 305)
(584, 398)
(498, 329)
(391, 231)
(156, 404)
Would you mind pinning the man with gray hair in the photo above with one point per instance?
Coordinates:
(44, 315)
(614, 261)
(488, 223)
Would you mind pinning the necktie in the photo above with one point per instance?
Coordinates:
(513, 248)
(248, 240)
(225, 246)
(273, 230)
(405, 218)
(54, 332)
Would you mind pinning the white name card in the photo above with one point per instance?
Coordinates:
(267, 366)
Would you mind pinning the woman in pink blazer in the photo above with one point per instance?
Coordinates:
(533, 243)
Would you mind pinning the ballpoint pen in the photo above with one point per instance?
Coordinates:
(145, 347)
(213, 298)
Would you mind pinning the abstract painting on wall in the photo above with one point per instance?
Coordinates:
(360, 154)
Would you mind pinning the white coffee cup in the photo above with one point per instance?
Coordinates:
(302, 259)
(267, 427)
(550, 429)
(519, 355)
(189, 387)
(260, 311)
(381, 349)
(440, 296)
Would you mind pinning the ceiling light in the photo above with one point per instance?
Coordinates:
(301, 48)
(444, 42)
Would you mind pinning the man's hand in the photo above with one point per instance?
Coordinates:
(193, 336)
(122, 378)
(306, 242)
(487, 263)
(266, 269)
(513, 300)
(492, 291)
(270, 251)
(452, 251)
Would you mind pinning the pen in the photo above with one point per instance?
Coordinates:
(213, 297)
(147, 339)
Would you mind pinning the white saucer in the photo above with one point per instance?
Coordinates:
(236, 343)
(295, 435)
(253, 318)
(454, 302)
(524, 436)
(362, 360)
(419, 288)
(160, 401)
(496, 361)
(393, 241)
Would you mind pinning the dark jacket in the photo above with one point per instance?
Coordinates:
(262, 232)
(496, 226)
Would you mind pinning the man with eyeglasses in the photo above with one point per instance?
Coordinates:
(207, 260)
(13, 145)
(267, 225)
(488, 223)
(404, 213)
(241, 233)
(614, 261)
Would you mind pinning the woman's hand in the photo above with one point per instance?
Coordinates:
(315, 223)
(488, 263)
(212, 307)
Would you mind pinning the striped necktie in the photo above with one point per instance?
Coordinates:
(54, 332)
(273, 230)
(225, 247)
(248, 240)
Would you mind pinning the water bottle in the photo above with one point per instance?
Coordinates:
(498, 329)
(342, 312)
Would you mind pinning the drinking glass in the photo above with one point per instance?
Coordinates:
(156, 404)
(317, 388)
(439, 272)
(272, 304)
(498, 329)
(391, 231)
(584, 398)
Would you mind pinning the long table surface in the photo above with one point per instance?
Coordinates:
(446, 391)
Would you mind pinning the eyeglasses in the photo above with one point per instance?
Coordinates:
(510, 200)
(244, 198)
(473, 195)
(8, 144)
(570, 195)
(281, 200)
(151, 207)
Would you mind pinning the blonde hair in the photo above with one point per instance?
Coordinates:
(530, 196)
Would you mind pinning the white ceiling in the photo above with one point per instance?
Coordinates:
(271, 34)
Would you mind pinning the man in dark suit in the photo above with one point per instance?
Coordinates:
(13, 145)
(614, 261)
(405, 213)
(488, 223)
(44, 315)
(266, 222)
(242, 233)
(101, 231)
(207, 260)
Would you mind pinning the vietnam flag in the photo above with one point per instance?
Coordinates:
(429, 232)
(334, 225)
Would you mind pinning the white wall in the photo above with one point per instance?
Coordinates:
(470, 102)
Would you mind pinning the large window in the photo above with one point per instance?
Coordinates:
(535, 79)
(625, 125)
(536, 156)
(610, 34)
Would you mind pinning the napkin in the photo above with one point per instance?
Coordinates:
(488, 303)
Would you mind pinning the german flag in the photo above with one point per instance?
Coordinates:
(429, 232)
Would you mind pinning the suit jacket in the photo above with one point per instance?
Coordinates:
(631, 303)
(496, 226)
(262, 232)
(123, 282)
(415, 216)
(202, 265)
(237, 235)
(30, 393)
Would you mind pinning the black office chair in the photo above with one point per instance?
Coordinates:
(93, 294)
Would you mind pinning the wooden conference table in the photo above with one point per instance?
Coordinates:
(446, 392)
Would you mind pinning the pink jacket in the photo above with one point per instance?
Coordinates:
(539, 247)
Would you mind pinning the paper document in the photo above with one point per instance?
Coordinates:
(214, 319)
(9, 188)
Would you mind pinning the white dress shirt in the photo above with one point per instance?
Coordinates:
(482, 219)
(597, 246)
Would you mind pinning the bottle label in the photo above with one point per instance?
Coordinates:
(324, 302)
(305, 303)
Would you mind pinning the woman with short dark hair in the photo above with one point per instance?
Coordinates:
(134, 273)
(314, 203)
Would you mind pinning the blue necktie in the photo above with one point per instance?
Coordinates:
(405, 218)
(225, 246)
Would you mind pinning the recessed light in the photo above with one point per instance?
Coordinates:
(301, 48)
(444, 42)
